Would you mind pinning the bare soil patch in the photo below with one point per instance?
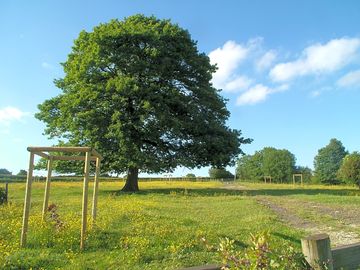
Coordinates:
(341, 231)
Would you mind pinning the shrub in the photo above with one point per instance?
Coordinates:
(262, 255)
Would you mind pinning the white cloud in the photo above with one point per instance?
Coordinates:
(9, 114)
(266, 60)
(227, 58)
(254, 95)
(317, 59)
(259, 93)
(350, 79)
(237, 84)
(47, 65)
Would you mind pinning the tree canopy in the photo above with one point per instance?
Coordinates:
(277, 163)
(139, 91)
(5, 171)
(350, 169)
(220, 173)
(22, 173)
(328, 161)
(249, 167)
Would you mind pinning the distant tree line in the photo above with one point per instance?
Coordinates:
(332, 165)
(279, 164)
(4, 172)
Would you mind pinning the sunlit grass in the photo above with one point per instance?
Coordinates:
(160, 227)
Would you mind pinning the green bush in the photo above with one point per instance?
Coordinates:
(263, 254)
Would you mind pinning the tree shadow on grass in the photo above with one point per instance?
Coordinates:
(215, 192)
(287, 237)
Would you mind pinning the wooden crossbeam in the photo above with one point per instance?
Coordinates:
(71, 158)
(67, 149)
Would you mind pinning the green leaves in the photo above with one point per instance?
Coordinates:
(279, 164)
(350, 169)
(139, 91)
(220, 173)
(328, 161)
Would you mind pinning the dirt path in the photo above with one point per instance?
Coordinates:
(342, 223)
(340, 230)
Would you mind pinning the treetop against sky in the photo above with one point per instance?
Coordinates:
(290, 71)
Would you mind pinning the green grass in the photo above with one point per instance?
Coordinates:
(161, 227)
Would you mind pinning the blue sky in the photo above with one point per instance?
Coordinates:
(290, 69)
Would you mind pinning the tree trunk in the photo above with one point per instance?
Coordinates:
(131, 184)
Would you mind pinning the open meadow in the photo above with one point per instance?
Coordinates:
(169, 225)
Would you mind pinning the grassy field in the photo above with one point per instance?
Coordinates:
(166, 225)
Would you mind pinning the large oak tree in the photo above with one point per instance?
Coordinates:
(140, 92)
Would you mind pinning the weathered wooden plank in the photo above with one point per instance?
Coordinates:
(47, 188)
(95, 191)
(41, 154)
(204, 267)
(346, 257)
(96, 153)
(71, 158)
(27, 201)
(71, 149)
(85, 201)
(317, 251)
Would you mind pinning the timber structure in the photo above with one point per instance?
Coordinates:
(89, 154)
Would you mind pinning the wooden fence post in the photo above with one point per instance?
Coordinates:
(85, 200)
(47, 188)
(95, 191)
(6, 192)
(317, 251)
(27, 201)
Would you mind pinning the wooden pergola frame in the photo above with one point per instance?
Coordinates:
(267, 178)
(298, 175)
(90, 155)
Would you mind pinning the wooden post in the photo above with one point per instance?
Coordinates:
(317, 251)
(6, 192)
(85, 200)
(47, 188)
(27, 201)
(267, 178)
(299, 175)
(95, 192)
